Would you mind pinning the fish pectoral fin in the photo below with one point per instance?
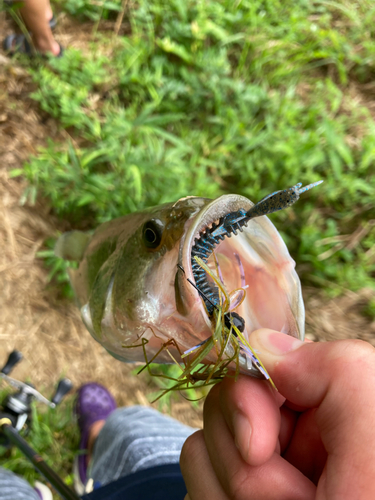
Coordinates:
(86, 318)
(72, 245)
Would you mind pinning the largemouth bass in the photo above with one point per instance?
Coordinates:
(129, 286)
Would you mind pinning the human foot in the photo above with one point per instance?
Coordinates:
(18, 44)
(93, 407)
(47, 45)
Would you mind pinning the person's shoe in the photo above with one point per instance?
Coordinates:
(43, 491)
(93, 403)
(52, 22)
(18, 44)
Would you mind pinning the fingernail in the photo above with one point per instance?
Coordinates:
(279, 343)
(242, 434)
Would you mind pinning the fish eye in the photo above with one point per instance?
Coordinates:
(152, 233)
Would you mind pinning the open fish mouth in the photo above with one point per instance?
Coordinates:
(252, 257)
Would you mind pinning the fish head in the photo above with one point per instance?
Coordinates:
(125, 283)
(132, 291)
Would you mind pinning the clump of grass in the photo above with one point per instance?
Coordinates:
(94, 11)
(58, 269)
(218, 97)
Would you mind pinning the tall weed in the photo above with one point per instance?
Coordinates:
(215, 97)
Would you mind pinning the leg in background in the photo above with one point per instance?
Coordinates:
(13, 487)
(36, 14)
(136, 438)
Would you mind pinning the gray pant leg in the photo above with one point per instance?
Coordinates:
(136, 438)
(13, 487)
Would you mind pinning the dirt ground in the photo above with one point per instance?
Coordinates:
(49, 331)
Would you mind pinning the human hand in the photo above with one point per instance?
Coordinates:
(315, 439)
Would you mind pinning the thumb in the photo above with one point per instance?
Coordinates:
(306, 373)
(338, 379)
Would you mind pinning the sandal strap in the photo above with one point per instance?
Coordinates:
(14, 44)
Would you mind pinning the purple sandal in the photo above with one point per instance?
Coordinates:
(93, 403)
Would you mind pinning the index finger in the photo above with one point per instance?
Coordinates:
(251, 410)
(275, 478)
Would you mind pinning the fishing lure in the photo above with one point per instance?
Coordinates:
(228, 328)
(231, 223)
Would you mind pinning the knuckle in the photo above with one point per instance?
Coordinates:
(238, 486)
(355, 355)
(354, 349)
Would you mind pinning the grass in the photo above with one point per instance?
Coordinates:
(217, 97)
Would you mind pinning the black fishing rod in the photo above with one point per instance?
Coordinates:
(15, 415)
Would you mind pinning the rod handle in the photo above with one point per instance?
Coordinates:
(64, 386)
(13, 358)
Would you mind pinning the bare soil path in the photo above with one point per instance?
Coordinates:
(33, 319)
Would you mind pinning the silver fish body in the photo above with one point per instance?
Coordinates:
(128, 285)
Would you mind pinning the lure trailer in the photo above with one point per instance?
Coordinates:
(15, 417)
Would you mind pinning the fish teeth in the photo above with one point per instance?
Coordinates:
(203, 247)
(201, 253)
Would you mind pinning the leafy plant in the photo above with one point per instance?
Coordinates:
(58, 268)
(218, 97)
(100, 9)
